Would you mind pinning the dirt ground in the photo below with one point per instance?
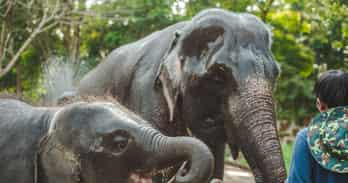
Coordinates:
(237, 175)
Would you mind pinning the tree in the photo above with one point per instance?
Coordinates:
(19, 30)
(123, 21)
(329, 32)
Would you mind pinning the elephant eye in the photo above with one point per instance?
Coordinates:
(120, 143)
(116, 142)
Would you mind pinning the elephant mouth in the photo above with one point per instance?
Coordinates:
(210, 133)
(145, 176)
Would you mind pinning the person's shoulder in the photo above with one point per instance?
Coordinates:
(302, 134)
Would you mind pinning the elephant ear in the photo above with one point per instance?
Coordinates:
(55, 163)
(169, 75)
(201, 39)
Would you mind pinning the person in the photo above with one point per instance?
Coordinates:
(320, 153)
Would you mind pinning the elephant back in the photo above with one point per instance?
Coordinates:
(115, 75)
(21, 128)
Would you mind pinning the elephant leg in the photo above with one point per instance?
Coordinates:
(158, 179)
(219, 154)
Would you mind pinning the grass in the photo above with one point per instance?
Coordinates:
(287, 154)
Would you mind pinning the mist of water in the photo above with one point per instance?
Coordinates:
(58, 79)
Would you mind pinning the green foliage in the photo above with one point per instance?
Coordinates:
(194, 6)
(287, 149)
(295, 101)
(30, 70)
(329, 29)
(305, 35)
(294, 97)
(132, 20)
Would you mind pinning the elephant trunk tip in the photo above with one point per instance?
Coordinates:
(202, 163)
(179, 149)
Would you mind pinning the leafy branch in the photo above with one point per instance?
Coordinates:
(49, 17)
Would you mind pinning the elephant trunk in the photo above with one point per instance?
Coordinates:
(166, 151)
(260, 143)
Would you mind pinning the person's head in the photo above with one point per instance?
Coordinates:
(331, 89)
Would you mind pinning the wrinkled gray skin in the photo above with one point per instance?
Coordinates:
(212, 76)
(89, 143)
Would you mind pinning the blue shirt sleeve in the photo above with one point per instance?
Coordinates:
(301, 163)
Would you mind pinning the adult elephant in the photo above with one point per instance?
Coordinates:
(212, 76)
(90, 143)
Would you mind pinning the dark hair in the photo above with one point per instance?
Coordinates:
(332, 88)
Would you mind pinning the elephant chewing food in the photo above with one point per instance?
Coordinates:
(212, 76)
(90, 143)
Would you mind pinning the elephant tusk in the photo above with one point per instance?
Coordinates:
(189, 132)
(169, 100)
(172, 180)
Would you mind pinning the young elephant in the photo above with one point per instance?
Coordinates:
(90, 143)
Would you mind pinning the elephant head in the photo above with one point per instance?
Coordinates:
(103, 142)
(219, 74)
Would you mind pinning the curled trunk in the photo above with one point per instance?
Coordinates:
(170, 150)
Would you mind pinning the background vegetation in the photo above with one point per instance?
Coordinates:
(308, 37)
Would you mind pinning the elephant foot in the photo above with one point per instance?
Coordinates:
(216, 181)
(135, 178)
